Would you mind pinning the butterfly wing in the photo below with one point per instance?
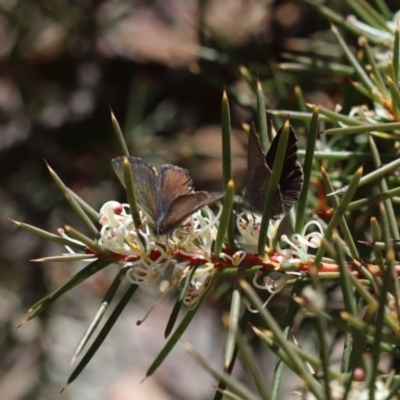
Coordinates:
(260, 170)
(291, 180)
(172, 182)
(182, 207)
(258, 175)
(176, 197)
(144, 183)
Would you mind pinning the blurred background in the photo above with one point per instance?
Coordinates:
(161, 66)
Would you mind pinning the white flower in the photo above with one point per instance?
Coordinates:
(248, 225)
(199, 234)
(149, 256)
(300, 243)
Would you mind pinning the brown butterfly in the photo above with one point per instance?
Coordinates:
(259, 170)
(166, 197)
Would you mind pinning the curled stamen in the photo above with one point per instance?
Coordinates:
(269, 284)
(236, 258)
(249, 227)
(300, 243)
(201, 235)
(142, 273)
(272, 231)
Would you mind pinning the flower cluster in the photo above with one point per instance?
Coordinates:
(170, 258)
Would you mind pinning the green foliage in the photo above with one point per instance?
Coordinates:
(355, 249)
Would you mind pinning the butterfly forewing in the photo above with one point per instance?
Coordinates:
(144, 180)
(259, 174)
(183, 207)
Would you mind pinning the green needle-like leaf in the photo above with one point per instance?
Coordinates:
(179, 302)
(181, 327)
(102, 334)
(66, 258)
(234, 316)
(226, 139)
(297, 363)
(339, 212)
(238, 388)
(273, 187)
(298, 115)
(119, 136)
(89, 211)
(365, 128)
(395, 95)
(291, 312)
(376, 237)
(226, 221)
(375, 71)
(242, 328)
(307, 169)
(248, 77)
(249, 359)
(342, 221)
(130, 194)
(262, 118)
(364, 10)
(227, 172)
(100, 312)
(384, 10)
(379, 321)
(336, 117)
(74, 203)
(50, 236)
(354, 205)
(377, 174)
(78, 278)
(340, 20)
(349, 302)
(91, 244)
(396, 54)
(384, 188)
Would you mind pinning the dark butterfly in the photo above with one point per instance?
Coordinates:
(167, 198)
(259, 170)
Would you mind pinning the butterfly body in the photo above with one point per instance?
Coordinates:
(166, 197)
(259, 171)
